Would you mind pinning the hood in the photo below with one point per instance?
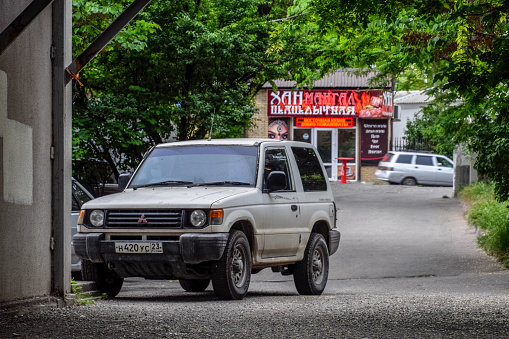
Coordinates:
(166, 197)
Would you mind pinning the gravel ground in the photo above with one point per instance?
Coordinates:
(444, 287)
(262, 316)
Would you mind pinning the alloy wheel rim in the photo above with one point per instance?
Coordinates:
(317, 265)
(238, 266)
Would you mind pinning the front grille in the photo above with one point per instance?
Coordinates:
(144, 218)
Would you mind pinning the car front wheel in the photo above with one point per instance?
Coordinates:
(311, 273)
(231, 274)
(105, 279)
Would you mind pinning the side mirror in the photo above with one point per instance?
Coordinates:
(123, 179)
(276, 180)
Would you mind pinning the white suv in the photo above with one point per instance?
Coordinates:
(219, 210)
(412, 168)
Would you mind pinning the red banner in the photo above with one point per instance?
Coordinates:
(324, 122)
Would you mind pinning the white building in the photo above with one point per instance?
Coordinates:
(408, 103)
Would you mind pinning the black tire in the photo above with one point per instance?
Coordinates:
(105, 279)
(194, 285)
(409, 182)
(311, 273)
(231, 274)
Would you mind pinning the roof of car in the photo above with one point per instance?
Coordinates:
(419, 153)
(414, 152)
(232, 141)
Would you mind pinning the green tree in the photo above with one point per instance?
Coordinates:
(181, 67)
(460, 46)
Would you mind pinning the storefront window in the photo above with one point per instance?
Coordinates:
(346, 143)
(324, 145)
(302, 135)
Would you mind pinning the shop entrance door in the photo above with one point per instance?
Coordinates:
(325, 142)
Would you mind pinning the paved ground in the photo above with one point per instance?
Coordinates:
(408, 267)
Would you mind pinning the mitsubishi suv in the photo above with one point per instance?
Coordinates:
(214, 211)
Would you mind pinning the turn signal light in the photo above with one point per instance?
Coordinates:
(216, 217)
(80, 217)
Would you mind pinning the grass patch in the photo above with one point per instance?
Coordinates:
(477, 193)
(80, 298)
(491, 217)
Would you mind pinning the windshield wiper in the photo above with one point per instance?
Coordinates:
(167, 182)
(220, 183)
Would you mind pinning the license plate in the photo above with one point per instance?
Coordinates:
(138, 247)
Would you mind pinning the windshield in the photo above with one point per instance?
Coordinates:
(198, 165)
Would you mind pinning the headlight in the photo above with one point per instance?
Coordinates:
(97, 218)
(198, 218)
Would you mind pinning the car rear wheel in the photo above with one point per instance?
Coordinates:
(194, 285)
(105, 279)
(311, 273)
(231, 274)
(409, 182)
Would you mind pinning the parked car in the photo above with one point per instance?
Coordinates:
(413, 168)
(80, 195)
(214, 211)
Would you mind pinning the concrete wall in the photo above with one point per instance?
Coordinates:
(464, 172)
(25, 165)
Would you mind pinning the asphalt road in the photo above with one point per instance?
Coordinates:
(408, 267)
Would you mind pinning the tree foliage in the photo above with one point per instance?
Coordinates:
(461, 47)
(179, 68)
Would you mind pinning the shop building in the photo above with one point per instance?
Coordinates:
(345, 119)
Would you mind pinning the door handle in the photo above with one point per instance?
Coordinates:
(294, 208)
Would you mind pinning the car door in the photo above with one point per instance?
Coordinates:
(445, 171)
(312, 188)
(402, 167)
(425, 170)
(281, 209)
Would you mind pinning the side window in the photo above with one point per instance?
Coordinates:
(424, 160)
(443, 162)
(404, 159)
(311, 172)
(276, 160)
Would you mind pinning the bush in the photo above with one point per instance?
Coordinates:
(491, 217)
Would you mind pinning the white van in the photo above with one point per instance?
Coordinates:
(413, 168)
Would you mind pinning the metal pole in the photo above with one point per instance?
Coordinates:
(102, 40)
(19, 24)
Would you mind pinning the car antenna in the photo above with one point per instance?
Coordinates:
(212, 124)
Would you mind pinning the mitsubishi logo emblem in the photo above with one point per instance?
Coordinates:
(142, 219)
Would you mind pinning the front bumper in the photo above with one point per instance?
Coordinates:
(190, 248)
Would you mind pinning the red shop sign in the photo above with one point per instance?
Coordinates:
(333, 103)
(324, 122)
